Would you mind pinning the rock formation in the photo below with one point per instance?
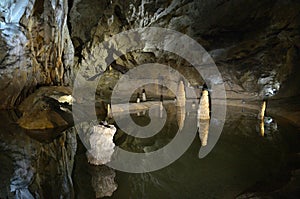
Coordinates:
(48, 107)
(101, 144)
(37, 48)
(203, 110)
(31, 166)
(180, 97)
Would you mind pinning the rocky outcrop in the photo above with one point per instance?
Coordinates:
(33, 169)
(255, 45)
(48, 107)
(37, 49)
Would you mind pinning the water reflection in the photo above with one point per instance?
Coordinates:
(180, 116)
(203, 126)
(267, 127)
(31, 169)
(103, 181)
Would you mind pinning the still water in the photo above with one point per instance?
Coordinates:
(242, 160)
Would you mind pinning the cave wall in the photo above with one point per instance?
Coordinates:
(255, 44)
(36, 47)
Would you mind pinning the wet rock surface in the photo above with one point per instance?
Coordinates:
(255, 45)
(46, 108)
(34, 169)
(37, 49)
(43, 43)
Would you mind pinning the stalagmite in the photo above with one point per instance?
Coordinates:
(144, 99)
(261, 114)
(203, 131)
(101, 144)
(180, 95)
(138, 100)
(109, 113)
(261, 117)
(203, 110)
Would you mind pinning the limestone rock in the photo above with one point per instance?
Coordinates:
(101, 144)
(203, 110)
(45, 109)
(37, 48)
(180, 101)
(29, 165)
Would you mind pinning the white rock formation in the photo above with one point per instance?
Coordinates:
(180, 95)
(144, 98)
(66, 99)
(101, 143)
(203, 110)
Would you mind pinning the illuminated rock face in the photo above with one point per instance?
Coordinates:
(203, 111)
(101, 144)
(37, 48)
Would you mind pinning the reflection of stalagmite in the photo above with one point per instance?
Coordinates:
(262, 128)
(161, 108)
(101, 144)
(203, 110)
(180, 101)
(103, 181)
(180, 116)
(203, 131)
(261, 114)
